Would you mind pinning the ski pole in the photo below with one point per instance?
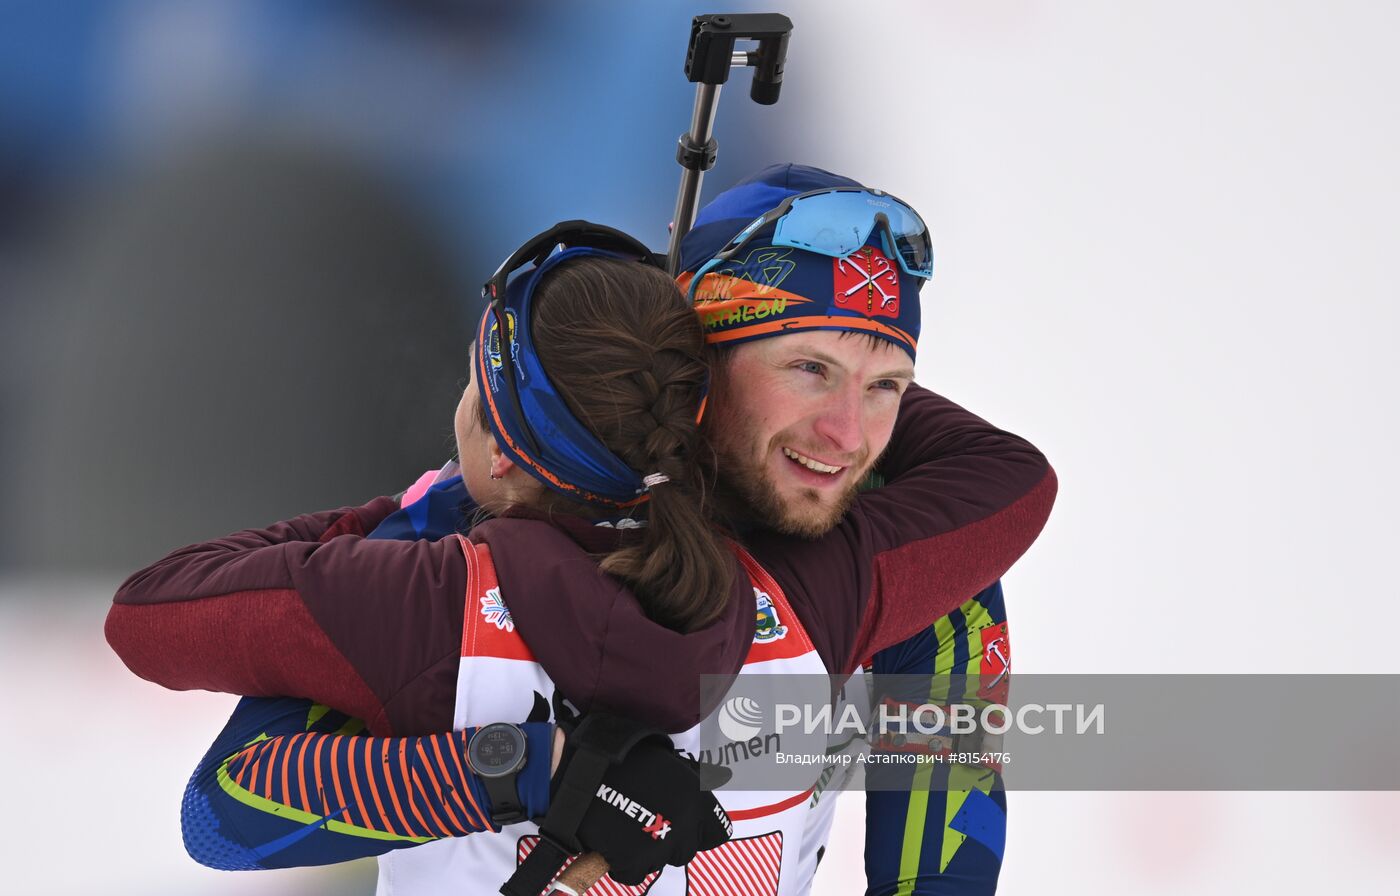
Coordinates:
(708, 59)
(707, 63)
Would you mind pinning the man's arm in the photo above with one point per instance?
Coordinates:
(305, 608)
(962, 501)
(944, 834)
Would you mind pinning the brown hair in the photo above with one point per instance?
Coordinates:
(627, 353)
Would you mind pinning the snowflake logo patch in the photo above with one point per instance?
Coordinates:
(493, 609)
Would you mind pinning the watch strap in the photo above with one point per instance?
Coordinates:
(506, 805)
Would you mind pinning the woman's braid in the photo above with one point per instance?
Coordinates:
(626, 352)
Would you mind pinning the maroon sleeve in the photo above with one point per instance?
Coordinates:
(962, 501)
(305, 608)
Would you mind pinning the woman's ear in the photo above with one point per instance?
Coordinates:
(500, 464)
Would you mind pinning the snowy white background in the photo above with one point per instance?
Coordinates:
(1166, 241)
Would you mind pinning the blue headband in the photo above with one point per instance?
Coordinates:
(571, 459)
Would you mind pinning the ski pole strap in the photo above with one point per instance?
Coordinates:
(598, 742)
(559, 831)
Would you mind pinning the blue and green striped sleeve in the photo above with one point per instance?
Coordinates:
(946, 832)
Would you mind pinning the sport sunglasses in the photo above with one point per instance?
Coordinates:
(836, 222)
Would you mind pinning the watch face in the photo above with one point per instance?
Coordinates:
(497, 749)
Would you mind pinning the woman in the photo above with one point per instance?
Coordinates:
(652, 416)
(554, 618)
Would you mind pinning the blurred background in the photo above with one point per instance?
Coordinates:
(240, 249)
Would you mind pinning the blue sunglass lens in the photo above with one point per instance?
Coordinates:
(839, 223)
(911, 240)
(833, 224)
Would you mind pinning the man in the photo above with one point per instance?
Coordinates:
(793, 454)
(810, 395)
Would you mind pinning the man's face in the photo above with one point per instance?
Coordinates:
(798, 420)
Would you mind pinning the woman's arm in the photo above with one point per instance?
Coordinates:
(290, 783)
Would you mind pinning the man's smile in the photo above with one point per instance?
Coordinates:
(812, 463)
(815, 475)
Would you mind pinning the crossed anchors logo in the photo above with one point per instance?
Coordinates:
(996, 664)
(995, 654)
(868, 275)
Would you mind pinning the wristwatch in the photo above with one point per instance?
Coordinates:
(496, 752)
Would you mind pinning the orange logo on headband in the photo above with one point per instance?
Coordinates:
(868, 282)
(737, 311)
(724, 300)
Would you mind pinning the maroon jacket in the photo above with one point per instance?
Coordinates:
(310, 608)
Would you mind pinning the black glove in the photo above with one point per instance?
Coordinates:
(651, 812)
(623, 791)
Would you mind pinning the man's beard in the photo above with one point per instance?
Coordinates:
(746, 489)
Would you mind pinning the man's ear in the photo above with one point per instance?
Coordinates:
(500, 464)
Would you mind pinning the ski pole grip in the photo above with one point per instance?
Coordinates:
(711, 51)
(585, 871)
(767, 64)
(708, 60)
